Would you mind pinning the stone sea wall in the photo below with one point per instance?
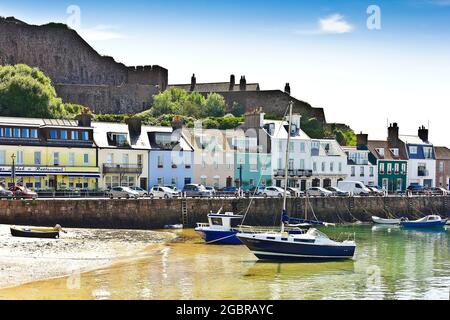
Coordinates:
(154, 214)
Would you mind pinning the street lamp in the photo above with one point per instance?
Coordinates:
(13, 169)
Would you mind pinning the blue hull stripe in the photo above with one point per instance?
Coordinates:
(220, 237)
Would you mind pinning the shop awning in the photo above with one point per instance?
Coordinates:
(23, 174)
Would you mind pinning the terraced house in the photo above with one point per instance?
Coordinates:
(442, 167)
(48, 154)
(391, 159)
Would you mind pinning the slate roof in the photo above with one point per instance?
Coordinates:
(373, 145)
(442, 153)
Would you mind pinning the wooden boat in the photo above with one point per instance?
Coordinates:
(27, 232)
(431, 221)
(379, 220)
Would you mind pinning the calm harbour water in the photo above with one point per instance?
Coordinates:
(390, 263)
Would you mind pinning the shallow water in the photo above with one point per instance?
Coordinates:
(390, 263)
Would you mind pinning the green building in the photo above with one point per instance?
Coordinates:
(255, 169)
(392, 164)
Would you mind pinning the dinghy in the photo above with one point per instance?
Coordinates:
(46, 233)
(379, 220)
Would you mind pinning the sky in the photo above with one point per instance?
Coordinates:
(366, 66)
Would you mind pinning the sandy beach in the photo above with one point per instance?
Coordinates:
(24, 260)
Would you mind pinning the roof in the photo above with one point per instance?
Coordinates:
(334, 148)
(442, 153)
(215, 87)
(38, 122)
(280, 131)
(410, 139)
(373, 145)
(101, 130)
(226, 137)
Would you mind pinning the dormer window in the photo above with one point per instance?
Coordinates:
(33, 133)
(74, 135)
(53, 134)
(119, 139)
(85, 136)
(380, 151)
(395, 152)
(413, 150)
(64, 134)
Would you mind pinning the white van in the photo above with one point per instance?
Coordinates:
(354, 187)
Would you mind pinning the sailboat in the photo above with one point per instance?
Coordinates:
(295, 244)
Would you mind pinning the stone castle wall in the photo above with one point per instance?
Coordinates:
(68, 60)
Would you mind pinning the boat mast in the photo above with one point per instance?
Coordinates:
(286, 165)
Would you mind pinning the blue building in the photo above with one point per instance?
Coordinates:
(170, 158)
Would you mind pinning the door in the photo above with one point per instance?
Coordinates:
(143, 183)
(303, 185)
(52, 182)
(427, 183)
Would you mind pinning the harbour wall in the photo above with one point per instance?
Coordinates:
(155, 213)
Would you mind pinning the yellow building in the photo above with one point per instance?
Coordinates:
(48, 154)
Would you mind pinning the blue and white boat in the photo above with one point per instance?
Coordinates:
(219, 229)
(431, 221)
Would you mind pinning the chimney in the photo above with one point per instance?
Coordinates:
(193, 82)
(232, 82)
(84, 119)
(243, 84)
(287, 89)
(134, 127)
(362, 141)
(393, 139)
(423, 134)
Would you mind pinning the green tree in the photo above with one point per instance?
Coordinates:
(237, 110)
(313, 128)
(214, 106)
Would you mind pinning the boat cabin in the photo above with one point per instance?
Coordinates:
(219, 221)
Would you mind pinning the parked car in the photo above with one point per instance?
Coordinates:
(318, 192)
(438, 191)
(142, 192)
(23, 192)
(375, 191)
(415, 188)
(272, 192)
(196, 190)
(230, 190)
(6, 193)
(354, 187)
(252, 191)
(295, 192)
(123, 192)
(163, 192)
(338, 192)
(178, 191)
(212, 189)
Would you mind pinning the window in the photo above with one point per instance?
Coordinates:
(380, 151)
(19, 157)
(174, 181)
(253, 166)
(441, 166)
(160, 160)
(16, 133)
(37, 157)
(389, 168)
(371, 171)
(85, 136)
(413, 150)
(428, 152)
(2, 132)
(403, 168)
(302, 147)
(280, 163)
(56, 158)
(396, 168)
(64, 134)
(125, 158)
(291, 164)
(302, 164)
(381, 169)
(291, 146)
(399, 184)
(139, 160)
(110, 158)
(314, 166)
(25, 133)
(252, 182)
(53, 134)
(331, 166)
(2, 157)
(71, 159)
(74, 135)
(395, 151)
(361, 171)
(340, 166)
(323, 166)
(8, 132)
(33, 133)
(353, 173)
(86, 158)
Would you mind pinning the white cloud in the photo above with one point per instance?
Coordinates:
(334, 23)
(100, 33)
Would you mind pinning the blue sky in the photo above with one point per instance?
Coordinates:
(323, 48)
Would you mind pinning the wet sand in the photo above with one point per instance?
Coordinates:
(24, 260)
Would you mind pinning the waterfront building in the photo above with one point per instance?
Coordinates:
(170, 157)
(442, 167)
(123, 151)
(392, 160)
(329, 163)
(299, 159)
(214, 156)
(48, 154)
(421, 158)
(361, 164)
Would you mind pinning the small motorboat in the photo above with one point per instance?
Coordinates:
(379, 220)
(431, 221)
(173, 226)
(219, 228)
(32, 232)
